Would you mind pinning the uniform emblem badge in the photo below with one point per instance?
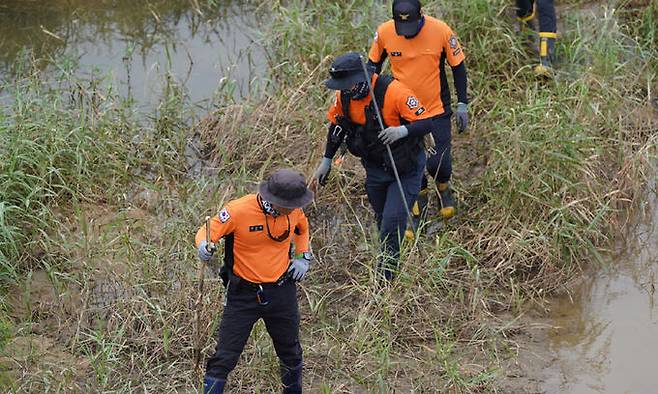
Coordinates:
(452, 41)
(224, 215)
(412, 102)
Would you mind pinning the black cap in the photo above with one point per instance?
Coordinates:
(345, 72)
(406, 14)
(286, 188)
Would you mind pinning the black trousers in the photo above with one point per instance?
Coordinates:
(439, 165)
(545, 13)
(385, 199)
(242, 310)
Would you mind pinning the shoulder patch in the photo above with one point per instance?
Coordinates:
(376, 36)
(412, 102)
(452, 41)
(224, 216)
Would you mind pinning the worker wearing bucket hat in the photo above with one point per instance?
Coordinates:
(260, 278)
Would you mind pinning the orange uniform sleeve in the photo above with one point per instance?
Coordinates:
(454, 52)
(377, 48)
(301, 235)
(220, 225)
(408, 105)
(335, 110)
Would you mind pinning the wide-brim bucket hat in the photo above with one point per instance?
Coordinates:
(286, 188)
(345, 72)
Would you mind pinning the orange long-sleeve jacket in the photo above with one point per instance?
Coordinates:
(248, 234)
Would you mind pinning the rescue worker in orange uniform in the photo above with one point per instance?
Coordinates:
(418, 47)
(260, 278)
(544, 10)
(353, 119)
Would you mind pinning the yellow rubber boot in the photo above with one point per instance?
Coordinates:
(546, 45)
(447, 201)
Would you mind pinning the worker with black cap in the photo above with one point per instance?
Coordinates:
(544, 10)
(353, 119)
(418, 47)
(259, 276)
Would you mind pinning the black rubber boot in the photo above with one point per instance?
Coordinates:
(291, 379)
(448, 209)
(213, 385)
(418, 213)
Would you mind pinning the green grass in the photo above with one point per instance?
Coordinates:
(105, 202)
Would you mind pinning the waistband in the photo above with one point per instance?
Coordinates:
(445, 114)
(240, 282)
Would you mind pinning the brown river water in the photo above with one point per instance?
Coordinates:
(604, 336)
(133, 45)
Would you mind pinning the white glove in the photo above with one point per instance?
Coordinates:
(205, 251)
(298, 269)
(322, 172)
(462, 117)
(392, 134)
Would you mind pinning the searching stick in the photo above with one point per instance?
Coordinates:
(388, 148)
(198, 307)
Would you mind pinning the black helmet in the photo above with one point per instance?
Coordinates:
(346, 71)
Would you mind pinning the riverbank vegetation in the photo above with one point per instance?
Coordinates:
(99, 204)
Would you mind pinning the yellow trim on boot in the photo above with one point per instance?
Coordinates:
(542, 71)
(447, 212)
(547, 34)
(415, 210)
(543, 48)
(526, 18)
(443, 186)
(423, 192)
(409, 235)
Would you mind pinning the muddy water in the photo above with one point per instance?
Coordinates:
(134, 44)
(605, 336)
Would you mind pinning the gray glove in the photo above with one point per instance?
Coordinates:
(298, 269)
(392, 134)
(205, 252)
(322, 172)
(462, 117)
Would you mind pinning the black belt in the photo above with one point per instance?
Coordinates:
(259, 288)
(241, 282)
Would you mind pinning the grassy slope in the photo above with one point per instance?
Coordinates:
(104, 206)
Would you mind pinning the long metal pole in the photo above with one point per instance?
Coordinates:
(199, 301)
(388, 148)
